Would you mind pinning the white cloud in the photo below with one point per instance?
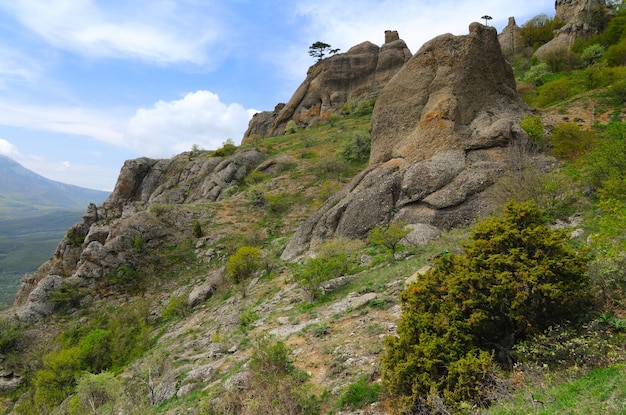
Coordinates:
(155, 31)
(171, 127)
(8, 149)
(68, 120)
(344, 24)
(16, 67)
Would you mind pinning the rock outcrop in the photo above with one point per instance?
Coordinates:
(138, 216)
(581, 18)
(358, 74)
(510, 39)
(440, 132)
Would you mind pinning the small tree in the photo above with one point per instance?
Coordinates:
(487, 18)
(320, 49)
(243, 264)
(389, 236)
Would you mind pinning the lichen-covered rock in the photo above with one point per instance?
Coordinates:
(438, 130)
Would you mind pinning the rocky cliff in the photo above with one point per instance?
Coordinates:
(440, 132)
(581, 18)
(114, 239)
(358, 74)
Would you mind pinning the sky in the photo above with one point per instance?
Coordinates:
(88, 84)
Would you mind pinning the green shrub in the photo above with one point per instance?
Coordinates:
(278, 204)
(561, 60)
(197, 231)
(228, 148)
(291, 127)
(537, 74)
(358, 149)
(389, 235)
(569, 141)
(331, 167)
(535, 130)
(538, 31)
(247, 317)
(515, 278)
(604, 166)
(95, 393)
(364, 107)
(176, 307)
(277, 386)
(592, 54)
(316, 271)
(556, 91)
(256, 196)
(360, 393)
(10, 333)
(616, 54)
(243, 264)
(74, 237)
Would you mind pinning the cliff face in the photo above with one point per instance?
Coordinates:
(440, 132)
(134, 220)
(358, 74)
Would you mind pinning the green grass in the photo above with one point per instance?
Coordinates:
(602, 391)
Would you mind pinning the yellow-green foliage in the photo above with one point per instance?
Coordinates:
(108, 343)
(389, 235)
(516, 277)
(243, 264)
(569, 141)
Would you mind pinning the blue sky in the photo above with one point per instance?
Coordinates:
(88, 84)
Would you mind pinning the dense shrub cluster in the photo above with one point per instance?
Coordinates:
(515, 278)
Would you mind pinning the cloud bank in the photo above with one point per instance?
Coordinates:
(171, 127)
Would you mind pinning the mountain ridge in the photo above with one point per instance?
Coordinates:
(26, 193)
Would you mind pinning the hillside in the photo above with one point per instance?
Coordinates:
(288, 274)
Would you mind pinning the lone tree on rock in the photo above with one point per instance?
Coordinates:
(487, 18)
(320, 49)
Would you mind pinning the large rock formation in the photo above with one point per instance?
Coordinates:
(581, 18)
(358, 74)
(510, 39)
(440, 132)
(136, 218)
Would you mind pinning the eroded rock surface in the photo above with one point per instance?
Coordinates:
(440, 132)
(358, 74)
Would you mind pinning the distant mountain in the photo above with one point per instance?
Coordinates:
(35, 214)
(25, 193)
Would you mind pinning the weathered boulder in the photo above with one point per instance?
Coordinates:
(439, 130)
(204, 291)
(581, 18)
(358, 74)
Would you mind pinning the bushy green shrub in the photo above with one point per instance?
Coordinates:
(604, 166)
(315, 271)
(389, 235)
(557, 90)
(516, 277)
(537, 74)
(569, 141)
(360, 393)
(535, 130)
(616, 54)
(197, 231)
(227, 149)
(10, 333)
(358, 148)
(243, 264)
(291, 127)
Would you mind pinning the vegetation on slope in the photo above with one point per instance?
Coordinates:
(318, 329)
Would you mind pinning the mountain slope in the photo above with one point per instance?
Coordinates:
(25, 193)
